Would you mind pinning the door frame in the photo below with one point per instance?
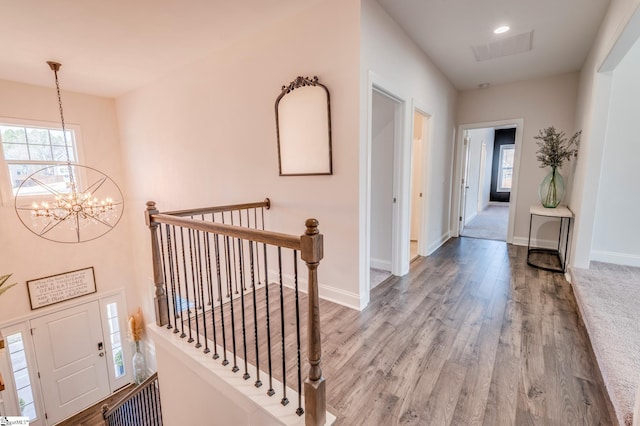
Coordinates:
(513, 202)
(22, 324)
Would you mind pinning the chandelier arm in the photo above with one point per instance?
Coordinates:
(97, 219)
(47, 187)
(49, 227)
(99, 182)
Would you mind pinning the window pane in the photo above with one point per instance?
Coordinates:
(39, 153)
(60, 154)
(118, 362)
(37, 136)
(14, 151)
(13, 134)
(58, 139)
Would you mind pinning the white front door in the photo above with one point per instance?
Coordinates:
(71, 360)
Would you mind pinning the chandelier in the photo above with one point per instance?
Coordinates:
(68, 202)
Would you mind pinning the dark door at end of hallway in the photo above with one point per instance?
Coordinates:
(503, 137)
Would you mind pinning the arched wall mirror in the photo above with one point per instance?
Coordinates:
(303, 124)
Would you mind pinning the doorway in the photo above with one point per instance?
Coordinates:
(65, 360)
(419, 151)
(488, 160)
(385, 131)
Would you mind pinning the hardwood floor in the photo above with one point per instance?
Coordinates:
(471, 336)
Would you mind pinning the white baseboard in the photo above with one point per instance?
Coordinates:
(616, 258)
(438, 243)
(385, 265)
(548, 244)
(332, 294)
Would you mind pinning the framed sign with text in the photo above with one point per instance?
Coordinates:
(58, 288)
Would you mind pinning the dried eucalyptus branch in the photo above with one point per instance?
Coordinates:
(554, 147)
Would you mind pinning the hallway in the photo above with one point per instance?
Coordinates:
(471, 335)
(489, 224)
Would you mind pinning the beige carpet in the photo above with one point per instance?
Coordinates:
(608, 297)
(489, 224)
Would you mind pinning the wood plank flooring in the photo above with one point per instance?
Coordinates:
(471, 336)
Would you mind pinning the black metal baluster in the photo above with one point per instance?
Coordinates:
(172, 279)
(246, 375)
(255, 226)
(202, 304)
(226, 249)
(207, 250)
(233, 321)
(213, 219)
(195, 294)
(235, 275)
(180, 299)
(299, 410)
(270, 392)
(165, 261)
(258, 383)
(284, 400)
(216, 246)
(243, 284)
(207, 253)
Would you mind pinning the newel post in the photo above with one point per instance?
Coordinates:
(160, 299)
(314, 385)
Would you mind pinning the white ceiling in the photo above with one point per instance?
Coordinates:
(446, 29)
(111, 47)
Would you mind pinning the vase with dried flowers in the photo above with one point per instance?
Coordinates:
(136, 331)
(553, 149)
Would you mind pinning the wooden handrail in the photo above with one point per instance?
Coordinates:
(249, 234)
(218, 209)
(106, 411)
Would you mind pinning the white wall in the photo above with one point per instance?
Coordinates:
(28, 256)
(541, 103)
(382, 139)
(391, 60)
(591, 117)
(616, 234)
(205, 135)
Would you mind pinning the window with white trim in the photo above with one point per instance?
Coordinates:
(21, 376)
(29, 148)
(505, 168)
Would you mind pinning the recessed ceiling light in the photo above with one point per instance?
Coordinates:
(501, 30)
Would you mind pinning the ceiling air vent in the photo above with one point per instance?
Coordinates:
(506, 47)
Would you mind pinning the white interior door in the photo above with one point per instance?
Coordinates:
(464, 184)
(71, 360)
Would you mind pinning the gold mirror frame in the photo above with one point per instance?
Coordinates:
(303, 125)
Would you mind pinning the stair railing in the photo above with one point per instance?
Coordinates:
(140, 407)
(207, 261)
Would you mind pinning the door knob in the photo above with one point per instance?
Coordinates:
(101, 354)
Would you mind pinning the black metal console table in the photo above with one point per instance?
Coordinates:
(565, 215)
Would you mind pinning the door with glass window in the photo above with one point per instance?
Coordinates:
(72, 360)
